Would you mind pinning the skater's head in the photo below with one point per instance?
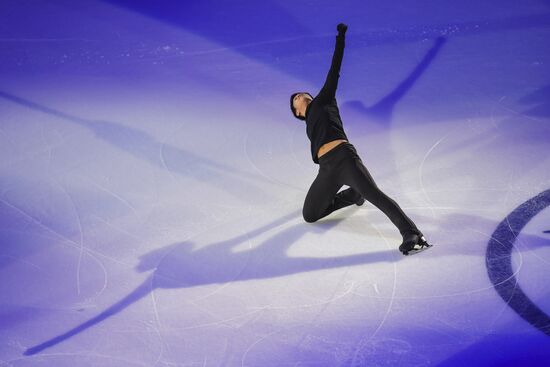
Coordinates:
(298, 104)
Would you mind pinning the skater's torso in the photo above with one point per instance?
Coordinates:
(324, 127)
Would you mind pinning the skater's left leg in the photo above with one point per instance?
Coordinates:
(320, 198)
(323, 197)
(349, 195)
(356, 175)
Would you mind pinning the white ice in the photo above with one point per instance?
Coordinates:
(152, 180)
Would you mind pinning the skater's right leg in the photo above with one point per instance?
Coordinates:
(321, 198)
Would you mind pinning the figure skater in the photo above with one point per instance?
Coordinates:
(339, 163)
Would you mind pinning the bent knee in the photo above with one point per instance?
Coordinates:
(308, 217)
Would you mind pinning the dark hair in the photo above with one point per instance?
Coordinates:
(292, 105)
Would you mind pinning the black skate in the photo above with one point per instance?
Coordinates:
(413, 244)
(357, 199)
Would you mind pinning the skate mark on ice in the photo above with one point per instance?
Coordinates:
(80, 233)
(273, 180)
(158, 326)
(363, 342)
(494, 107)
(421, 168)
(115, 195)
(348, 290)
(256, 342)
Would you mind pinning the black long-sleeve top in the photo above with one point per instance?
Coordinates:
(323, 123)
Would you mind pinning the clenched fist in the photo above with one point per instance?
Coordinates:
(342, 28)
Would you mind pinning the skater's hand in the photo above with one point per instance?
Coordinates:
(342, 28)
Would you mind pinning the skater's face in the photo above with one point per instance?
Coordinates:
(300, 102)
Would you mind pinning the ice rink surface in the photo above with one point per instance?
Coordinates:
(152, 179)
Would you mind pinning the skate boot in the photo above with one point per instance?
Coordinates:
(357, 199)
(413, 243)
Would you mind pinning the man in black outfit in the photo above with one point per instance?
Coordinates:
(339, 163)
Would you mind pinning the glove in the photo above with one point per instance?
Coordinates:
(342, 28)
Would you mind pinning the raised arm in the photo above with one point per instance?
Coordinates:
(328, 92)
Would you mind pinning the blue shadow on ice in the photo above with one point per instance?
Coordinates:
(146, 147)
(268, 32)
(181, 266)
(382, 111)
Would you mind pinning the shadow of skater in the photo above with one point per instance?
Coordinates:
(145, 147)
(182, 265)
(382, 111)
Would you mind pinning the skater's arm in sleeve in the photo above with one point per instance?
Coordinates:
(328, 92)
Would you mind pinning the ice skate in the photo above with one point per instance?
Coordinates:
(413, 244)
(357, 198)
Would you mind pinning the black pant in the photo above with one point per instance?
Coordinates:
(343, 166)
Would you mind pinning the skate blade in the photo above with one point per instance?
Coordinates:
(416, 250)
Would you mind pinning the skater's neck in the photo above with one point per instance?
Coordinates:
(303, 112)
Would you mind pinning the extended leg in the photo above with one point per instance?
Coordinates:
(356, 175)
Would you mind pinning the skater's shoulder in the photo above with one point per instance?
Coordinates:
(319, 101)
